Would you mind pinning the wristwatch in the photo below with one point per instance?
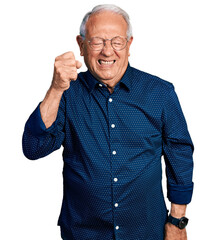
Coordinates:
(181, 223)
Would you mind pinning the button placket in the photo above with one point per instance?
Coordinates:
(114, 156)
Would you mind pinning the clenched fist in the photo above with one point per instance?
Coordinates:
(65, 70)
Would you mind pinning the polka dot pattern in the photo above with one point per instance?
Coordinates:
(113, 144)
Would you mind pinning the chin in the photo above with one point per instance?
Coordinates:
(106, 75)
(106, 78)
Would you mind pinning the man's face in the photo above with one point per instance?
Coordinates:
(105, 25)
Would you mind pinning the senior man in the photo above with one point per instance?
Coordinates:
(115, 123)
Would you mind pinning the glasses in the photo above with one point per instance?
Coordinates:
(118, 43)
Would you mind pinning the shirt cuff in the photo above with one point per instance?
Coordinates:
(36, 125)
(180, 194)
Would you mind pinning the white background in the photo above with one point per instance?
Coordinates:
(174, 40)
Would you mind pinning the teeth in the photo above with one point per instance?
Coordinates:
(106, 62)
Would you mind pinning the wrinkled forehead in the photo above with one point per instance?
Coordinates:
(106, 23)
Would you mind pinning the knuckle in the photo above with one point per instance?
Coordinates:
(58, 70)
(58, 58)
(68, 55)
(73, 62)
(56, 64)
(71, 54)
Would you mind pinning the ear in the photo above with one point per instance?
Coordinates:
(129, 44)
(81, 44)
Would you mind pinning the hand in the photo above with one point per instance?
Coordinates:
(65, 70)
(174, 233)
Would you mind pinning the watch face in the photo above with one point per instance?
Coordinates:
(183, 222)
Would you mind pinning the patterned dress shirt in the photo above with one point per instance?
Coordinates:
(113, 146)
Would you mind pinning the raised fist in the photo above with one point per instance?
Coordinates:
(65, 70)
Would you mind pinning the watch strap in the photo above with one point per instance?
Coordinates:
(174, 221)
(180, 223)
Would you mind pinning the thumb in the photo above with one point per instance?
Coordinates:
(78, 64)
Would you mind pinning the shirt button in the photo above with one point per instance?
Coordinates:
(113, 125)
(115, 179)
(100, 85)
(110, 99)
(117, 227)
(114, 152)
(116, 204)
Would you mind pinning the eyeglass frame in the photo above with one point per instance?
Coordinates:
(104, 43)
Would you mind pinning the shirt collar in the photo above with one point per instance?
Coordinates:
(91, 82)
(127, 79)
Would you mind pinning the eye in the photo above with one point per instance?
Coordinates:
(119, 43)
(96, 41)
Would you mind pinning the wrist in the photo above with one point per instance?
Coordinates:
(55, 92)
(177, 210)
(49, 106)
(179, 223)
(52, 98)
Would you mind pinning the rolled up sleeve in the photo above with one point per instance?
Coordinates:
(39, 141)
(178, 151)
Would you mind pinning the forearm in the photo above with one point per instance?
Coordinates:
(50, 105)
(39, 139)
(178, 210)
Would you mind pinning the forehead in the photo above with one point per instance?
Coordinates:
(106, 24)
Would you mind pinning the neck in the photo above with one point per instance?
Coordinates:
(111, 89)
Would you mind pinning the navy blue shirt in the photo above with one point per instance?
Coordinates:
(113, 144)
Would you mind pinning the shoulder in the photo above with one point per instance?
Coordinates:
(150, 81)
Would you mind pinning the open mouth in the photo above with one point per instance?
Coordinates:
(105, 62)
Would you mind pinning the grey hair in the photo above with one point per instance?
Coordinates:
(106, 7)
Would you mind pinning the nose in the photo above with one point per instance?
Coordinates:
(107, 49)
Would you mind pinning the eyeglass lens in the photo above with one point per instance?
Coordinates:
(118, 43)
